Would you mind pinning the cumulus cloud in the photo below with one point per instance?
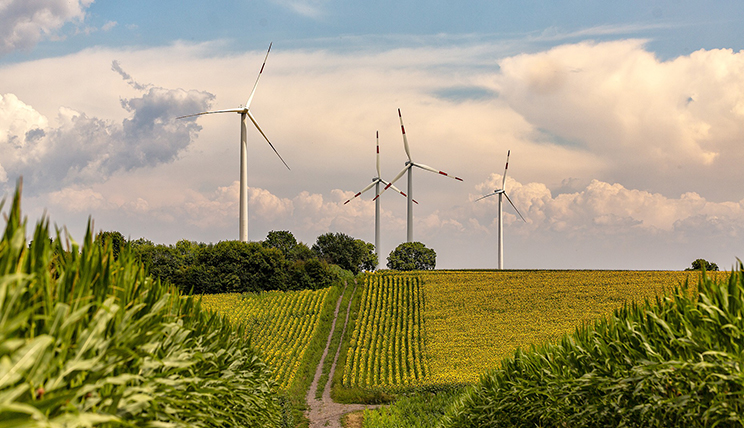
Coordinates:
(23, 23)
(604, 209)
(652, 122)
(79, 149)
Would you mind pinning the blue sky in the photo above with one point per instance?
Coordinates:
(624, 120)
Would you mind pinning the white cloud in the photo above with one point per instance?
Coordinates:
(614, 146)
(602, 209)
(308, 8)
(78, 200)
(82, 149)
(24, 22)
(652, 122)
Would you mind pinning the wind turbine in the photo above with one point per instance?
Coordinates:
(409, 168)
(376, 184)
(502, 192)
(244, 112)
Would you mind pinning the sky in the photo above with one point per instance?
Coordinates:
(625, 122)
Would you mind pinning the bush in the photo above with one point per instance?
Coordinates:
(412, 256)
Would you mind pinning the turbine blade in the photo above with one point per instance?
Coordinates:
(230, 110)
(503, 179)
(436, 171)
(397, 190)
(378, 155)
(485, 196)
(397, 177)
(514, 206)
(266, 138)
(362, 191)
(405, 139)
(255, 85)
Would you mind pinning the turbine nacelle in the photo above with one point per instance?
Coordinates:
(244, 112)
(377, 179)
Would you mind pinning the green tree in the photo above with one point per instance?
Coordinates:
(345, 251)
(114, 239)
(282, 240)
(301, 252)
(699, 264)
(412, 256)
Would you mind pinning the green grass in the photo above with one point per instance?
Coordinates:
(306, 372)
(335, 340)
(416, 410)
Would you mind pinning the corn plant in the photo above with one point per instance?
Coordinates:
(87, 340)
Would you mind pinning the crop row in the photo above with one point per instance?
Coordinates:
(279, 324)
(387, 344)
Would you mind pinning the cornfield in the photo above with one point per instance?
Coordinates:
(87, 339)
(280, 324)
(387, 344)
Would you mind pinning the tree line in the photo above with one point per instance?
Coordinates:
(279, 262)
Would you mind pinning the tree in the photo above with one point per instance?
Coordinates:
(343, 250)
(699, 264)
(282, 240)
(412, 256)
(113, 239)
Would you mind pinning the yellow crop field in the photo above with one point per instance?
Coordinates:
(461, 324)
(386, 346)
(281, 324)
(474, 319)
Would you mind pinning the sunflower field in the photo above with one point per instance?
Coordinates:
(438, 328)
(475, 319)
(387, 344)
(280, 324)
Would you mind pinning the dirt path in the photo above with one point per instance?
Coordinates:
(325, 412)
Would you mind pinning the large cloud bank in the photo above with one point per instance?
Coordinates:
(612, 147)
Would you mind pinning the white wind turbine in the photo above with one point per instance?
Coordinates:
(376, 184)
(245, 112)
(409, 168)
(502, 192)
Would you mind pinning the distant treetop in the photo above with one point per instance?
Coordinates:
(699, 264)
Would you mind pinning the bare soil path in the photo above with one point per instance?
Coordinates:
(325, 412)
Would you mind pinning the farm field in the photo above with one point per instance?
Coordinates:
(387, 345)
(474, 319)
(281, 324)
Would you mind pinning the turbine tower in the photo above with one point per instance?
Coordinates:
(409, 168)
(502, 192)
(376, 184)
(245, 112)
